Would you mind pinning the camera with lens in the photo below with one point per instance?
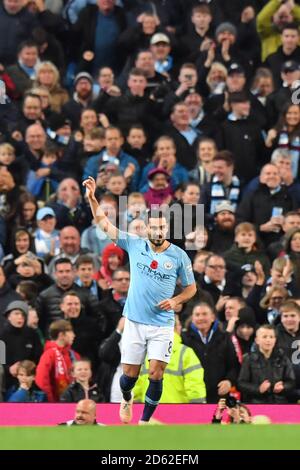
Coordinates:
(231, 402)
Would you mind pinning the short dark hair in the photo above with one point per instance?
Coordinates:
(29, 94)
(62, 261)
(138, 72)
(202, 8)
(113, 128)
(120, 270)
(59, 326)
(214, 255)
(189, 65)
(27, 43)
(292, 25)
(29, 290)
(50, 149)
(155, 213)
(238, 97)
(224, 156)
(84, 259)
(72, 293)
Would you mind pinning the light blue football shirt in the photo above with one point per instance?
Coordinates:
(150, 285)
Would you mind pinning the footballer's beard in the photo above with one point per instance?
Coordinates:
(157, 241)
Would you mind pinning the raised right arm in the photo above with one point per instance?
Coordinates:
(101, 219)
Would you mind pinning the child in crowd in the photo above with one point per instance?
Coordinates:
(267, 375)
(27, 391)
(199, 261)
(46, 238)
(54, 371)
(136, 209)
(82, 387)
(136, 144)
(116, 184)
(245, 249)
(93, 143)
(44, 182)
(17, 166)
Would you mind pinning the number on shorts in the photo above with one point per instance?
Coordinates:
(170, 347)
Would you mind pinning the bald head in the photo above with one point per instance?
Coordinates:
(70, 240)
(68, 192)
(35, 137)
(85, 412)
(270, 176)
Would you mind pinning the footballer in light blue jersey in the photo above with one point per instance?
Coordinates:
(153, 277)
(155, 266)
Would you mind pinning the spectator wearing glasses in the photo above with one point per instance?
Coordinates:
(215, 282)
(113, 303)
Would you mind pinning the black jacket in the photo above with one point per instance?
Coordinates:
(289, 344)
(21, 343)
(220, 240)
(88, 336)
(256, 369)
(85, 31)
(232, 288)
(75, 392)
(244, 139)
(276, 60)
(111, 311)
(257, 208)
(217, 357)
(110, 357)
(186, 154)
(48, 305)
(7, 295)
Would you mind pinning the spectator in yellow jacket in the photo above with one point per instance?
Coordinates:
(270, 20)
(183, 378)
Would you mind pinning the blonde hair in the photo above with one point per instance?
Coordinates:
(8, 148)
(135, 196)
(244, 227)
(265, 301)
(47, 65)
(216, 66)
(28, 366)
(37, 89)
(279, 264)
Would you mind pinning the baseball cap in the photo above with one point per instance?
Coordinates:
(159, 37)
(84, 75)
(107, 167)
(235, 68)
(17, 305)
(290, 66)
(247, 268)
(224, 206)
(43, 212)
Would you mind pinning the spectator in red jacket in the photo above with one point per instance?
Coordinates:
(54, 371)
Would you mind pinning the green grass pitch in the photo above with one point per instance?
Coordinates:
(203, 437)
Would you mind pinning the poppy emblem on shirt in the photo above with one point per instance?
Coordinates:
(154, 265)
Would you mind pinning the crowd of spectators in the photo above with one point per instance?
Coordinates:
(174, 102)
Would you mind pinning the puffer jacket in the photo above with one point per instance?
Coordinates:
(256, 369)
